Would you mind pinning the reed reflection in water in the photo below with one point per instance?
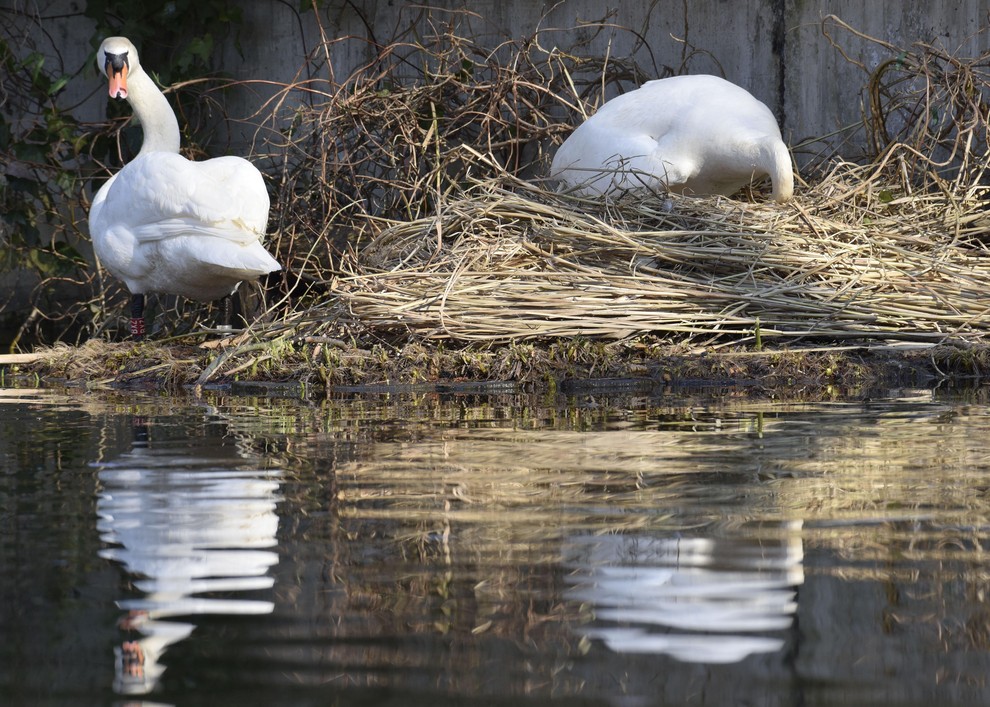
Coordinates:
(633, 538)
(477, 551)
(186, 525)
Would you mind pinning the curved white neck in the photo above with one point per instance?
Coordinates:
(778, 165)
(158, 124)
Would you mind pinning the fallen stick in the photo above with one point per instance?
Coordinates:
(13, 359)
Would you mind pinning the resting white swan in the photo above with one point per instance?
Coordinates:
(692, 134)
(168, 225)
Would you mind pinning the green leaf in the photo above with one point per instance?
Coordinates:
(58, 85)
(34, 62)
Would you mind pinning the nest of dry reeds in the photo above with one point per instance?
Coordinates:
(505, 263)
(401, 137)
(451, 235)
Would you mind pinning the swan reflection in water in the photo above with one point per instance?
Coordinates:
(700, 600)
(187, 526)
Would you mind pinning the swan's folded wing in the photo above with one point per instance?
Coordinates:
(233, 231)
(163, 194)
(597, 159)
(234, 187)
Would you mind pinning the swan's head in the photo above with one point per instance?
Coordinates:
(116, 57)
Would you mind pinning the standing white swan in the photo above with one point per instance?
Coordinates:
(168, 225)
(693, 134)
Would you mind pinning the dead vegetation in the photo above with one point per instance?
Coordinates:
(463, 244)
(410, 215)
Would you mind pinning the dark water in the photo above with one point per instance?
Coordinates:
(453, 550)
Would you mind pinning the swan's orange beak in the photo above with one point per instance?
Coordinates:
(118, 80)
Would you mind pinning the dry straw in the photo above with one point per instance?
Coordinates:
(451, 235)
(523, 263)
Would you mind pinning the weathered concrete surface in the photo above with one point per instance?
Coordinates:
(774, 48)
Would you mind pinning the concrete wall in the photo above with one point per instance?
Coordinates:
(774, 48)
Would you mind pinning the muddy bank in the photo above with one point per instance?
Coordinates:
(317, 368)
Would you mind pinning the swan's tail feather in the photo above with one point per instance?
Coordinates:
(247, 263)
(226, 248)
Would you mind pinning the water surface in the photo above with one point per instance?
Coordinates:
(492, 550)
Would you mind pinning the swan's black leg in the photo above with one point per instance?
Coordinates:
(231, 312)
(226, 312)
(237, 318)
(137, 316)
